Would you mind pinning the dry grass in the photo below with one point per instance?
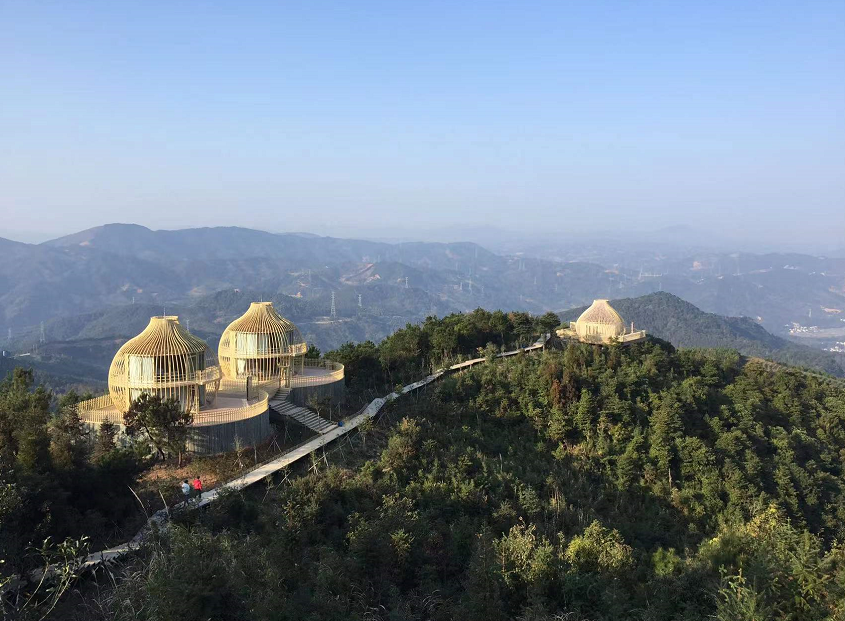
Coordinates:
(160, 484)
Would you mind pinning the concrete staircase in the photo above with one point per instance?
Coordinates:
(281, 405)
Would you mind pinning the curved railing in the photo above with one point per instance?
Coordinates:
(97, 417)
(231, 351)
(97, 403)
(333, 373)
(238, 384)
(227, 415)
(100, 410)
(204, 376)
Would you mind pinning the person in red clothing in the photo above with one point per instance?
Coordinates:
(197, 486)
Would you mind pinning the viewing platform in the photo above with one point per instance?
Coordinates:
(261, 355)
(237, 410)
(600, 324)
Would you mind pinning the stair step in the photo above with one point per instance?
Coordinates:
(281, 404)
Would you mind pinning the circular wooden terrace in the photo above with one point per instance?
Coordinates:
(231, 404)
(240, 409)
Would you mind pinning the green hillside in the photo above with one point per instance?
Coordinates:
(670, 318)
(58, 374)
(590, 484)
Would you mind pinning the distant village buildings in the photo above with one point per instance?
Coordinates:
(600, 324)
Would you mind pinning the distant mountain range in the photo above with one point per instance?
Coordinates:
(120, 264)
(82, 347)
(105, 268)
(668, 317)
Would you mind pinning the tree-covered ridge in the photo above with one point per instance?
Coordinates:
(583, 484)
(418, 349)
(56, 480)
(668, 317)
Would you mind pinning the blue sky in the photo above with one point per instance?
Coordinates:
(351, 117)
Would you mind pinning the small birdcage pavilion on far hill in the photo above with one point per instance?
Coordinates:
(600, 324)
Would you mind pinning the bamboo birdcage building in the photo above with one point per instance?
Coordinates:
(600, 324)
(168, 361)
(263, 367)
(262, 344)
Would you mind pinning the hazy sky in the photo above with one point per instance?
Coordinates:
(357, 116)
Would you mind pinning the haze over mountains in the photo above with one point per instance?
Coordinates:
(116, 263)
(98, 286)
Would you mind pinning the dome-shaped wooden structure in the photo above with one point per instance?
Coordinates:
(262, 344)
(166, 360)
(599, 323)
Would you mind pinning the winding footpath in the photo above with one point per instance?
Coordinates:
(161, 518)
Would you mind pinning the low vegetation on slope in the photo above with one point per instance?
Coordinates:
(61, 481)
(584, 484)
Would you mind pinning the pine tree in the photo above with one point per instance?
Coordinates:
(666, 428)
(24, 415)
(68, 446)
(585, 414)
(105, 442)
(162, 421)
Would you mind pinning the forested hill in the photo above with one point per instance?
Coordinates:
(668, 317)
(57, 375)
(590, 484)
